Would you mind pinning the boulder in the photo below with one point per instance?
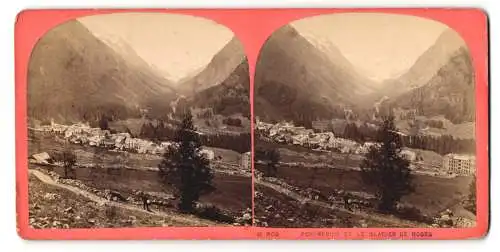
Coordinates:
(247, 217)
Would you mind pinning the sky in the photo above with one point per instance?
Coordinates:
(176, 45)
(381, 46)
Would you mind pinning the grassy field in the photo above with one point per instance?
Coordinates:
(465, 130)
(293, 153)
(432, 194)
(51, 207)
(277, 210)
(233, 193)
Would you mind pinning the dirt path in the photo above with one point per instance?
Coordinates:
(191, 221)
(370, 216)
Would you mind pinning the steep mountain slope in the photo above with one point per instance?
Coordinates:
(219, 69)
(74, 76)
(296, 80)
(129, 54)
(232, 96)
(450, 92)
(426, 65)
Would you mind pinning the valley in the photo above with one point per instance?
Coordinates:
(323, 123)
(105, 113)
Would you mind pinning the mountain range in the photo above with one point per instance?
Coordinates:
(224, 84)
(75, 76)
(302, 80)
(295, 80)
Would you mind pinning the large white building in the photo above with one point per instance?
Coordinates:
(460, 164)
(246, 161)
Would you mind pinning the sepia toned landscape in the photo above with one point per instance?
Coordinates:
(360, 120)
(134, 122)
(364, 120)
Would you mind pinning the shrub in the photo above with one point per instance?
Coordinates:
(211, 212)
(232, 122)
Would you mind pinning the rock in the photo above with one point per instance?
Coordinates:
(92, 221)
(236, 224)
(50, 196)
(290, 219)
(66, 226)
(277, 216)
(78, 217)
(56, 223)
(32, 220)
(247, 217)
(68, 210)
(264, 224)
(269, 208)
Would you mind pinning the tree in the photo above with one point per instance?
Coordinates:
(271, 158)
(69, 160)
(472, 196)
(103, 123)
(385, 168)
(185, 168)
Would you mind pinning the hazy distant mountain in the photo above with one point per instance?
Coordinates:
(217, 71)
(74, 76)
(129, 54)
(450, 92)
(426, 65)
(296, 80)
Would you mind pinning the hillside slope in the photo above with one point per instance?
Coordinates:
(296, 80)
(230, 97)
(74, 76)
(449, 93)
(426, 66)
(222, 65)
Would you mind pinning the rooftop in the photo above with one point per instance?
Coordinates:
(461, 156)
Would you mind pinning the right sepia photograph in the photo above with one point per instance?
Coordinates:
(364, 120)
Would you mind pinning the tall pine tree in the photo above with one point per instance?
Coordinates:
(386, 169)
(185, 168)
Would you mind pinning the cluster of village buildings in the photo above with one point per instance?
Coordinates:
(287, 133)
(84, 134)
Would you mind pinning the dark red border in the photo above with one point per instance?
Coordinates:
(252, 27)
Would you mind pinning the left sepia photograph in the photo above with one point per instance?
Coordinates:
(139, 120)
